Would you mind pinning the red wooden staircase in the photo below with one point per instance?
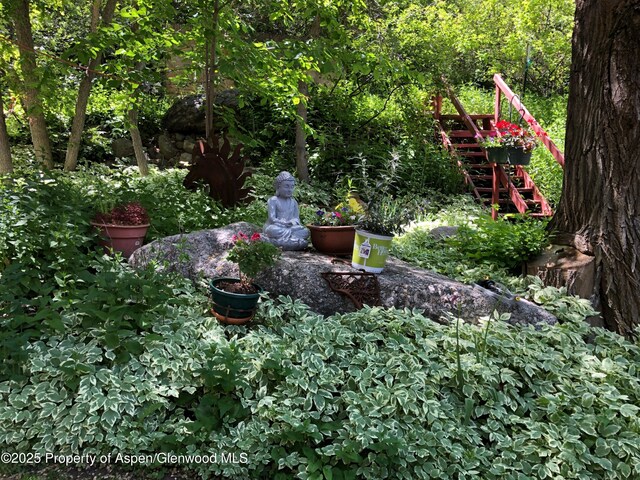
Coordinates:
(508, 186)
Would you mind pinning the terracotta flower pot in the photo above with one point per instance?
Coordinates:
(333, 240)
(121, 238)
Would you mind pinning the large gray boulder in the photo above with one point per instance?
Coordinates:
(203, 254)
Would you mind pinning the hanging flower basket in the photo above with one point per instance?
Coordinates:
(519, 156)
(498, 155)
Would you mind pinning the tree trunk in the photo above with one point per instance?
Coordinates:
(600, 204)
(211, 66)
(6, 166)
(302, 163)
(84, 90)
(302, 157)
(141, 157)
(30, 76)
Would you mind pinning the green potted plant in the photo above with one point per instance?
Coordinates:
(122, 227)
(235, 299)
(383, 218)
(333, 230)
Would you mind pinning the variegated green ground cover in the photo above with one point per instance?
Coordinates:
(97, 358)
(373, 394)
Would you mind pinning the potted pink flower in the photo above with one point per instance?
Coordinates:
(333, 230)
(235, 299)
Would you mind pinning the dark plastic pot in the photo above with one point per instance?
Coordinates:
(517, 156)
(233, 308)
(497, 155)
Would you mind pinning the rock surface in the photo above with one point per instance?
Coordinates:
(298, 274)
(187, 115)
(122, 147)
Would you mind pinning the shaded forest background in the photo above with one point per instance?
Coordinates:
(346, 79)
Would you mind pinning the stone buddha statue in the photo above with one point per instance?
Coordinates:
(283, 227)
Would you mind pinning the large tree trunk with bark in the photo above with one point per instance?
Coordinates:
(30, 78)
(6, 166)
(600, 204)
(84, 90)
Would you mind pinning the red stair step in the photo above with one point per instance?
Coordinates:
(466, 133)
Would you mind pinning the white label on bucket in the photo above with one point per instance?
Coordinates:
(365, 249)
(381, 249)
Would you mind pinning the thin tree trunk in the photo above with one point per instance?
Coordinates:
(302, 163)
(600, 204)
(302, 157)
(141, 156)
(211, 66)
(32, 102)
(84, 89)
(6, 166)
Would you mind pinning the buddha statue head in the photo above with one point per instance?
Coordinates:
(284, 184)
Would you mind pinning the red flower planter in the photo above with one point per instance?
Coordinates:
(333, 240)
(121, 238)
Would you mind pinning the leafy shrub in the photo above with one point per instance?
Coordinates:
(501, 242)
(419, 247)
(556, 300)
(376, 394)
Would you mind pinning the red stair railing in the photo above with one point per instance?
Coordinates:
(500, 176)
(502, 87)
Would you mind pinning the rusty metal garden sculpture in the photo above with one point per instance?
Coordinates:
(223, 171)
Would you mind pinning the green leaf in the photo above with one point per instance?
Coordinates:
(587, 400)
(327, 472)
(610, 430)
(628, 410)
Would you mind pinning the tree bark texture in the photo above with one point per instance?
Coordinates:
(84, 89)
(302, 160)
(211, 67)
(6, 166)
(141, 156)
(601, 196)
(30, 78)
